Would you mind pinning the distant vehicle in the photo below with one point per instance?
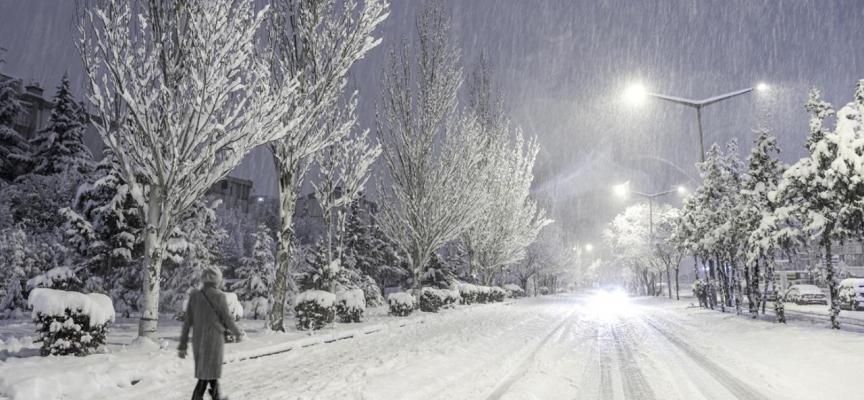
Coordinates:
(805, 294)
(851, 294)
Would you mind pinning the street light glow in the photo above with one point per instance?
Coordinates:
(620, 190)
(635, 94)
(762, 87)
(589, 247)
(682, 190)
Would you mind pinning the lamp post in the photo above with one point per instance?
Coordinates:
(637, 93)
(622, 190)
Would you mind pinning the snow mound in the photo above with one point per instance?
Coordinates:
(512, 287)
(47, 279)
(354, 298)
(234, 306)
(52, 302)
(402, 298)
(325, 299)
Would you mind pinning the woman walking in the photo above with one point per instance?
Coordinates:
(208, 316)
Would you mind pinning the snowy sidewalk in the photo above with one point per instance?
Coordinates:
(25, 375)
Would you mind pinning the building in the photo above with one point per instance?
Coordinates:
(234, 192)
(36, 114)
(310, 215)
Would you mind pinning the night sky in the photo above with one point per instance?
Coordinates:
(563, 64)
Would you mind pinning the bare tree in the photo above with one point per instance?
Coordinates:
(182, 95)
(314, 42)
(432, 153)
(511, 220)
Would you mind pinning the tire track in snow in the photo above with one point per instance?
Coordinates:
(735, 386)
(635, 384)
(607, 392)
(504, 385)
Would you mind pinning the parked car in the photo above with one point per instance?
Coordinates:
(805, 294)
(851, 294)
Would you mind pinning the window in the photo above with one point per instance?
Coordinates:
(224, 185)
(24, 117)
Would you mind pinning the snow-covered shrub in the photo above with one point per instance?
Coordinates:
(544, 290)
(236, 311)
(12, 301)
(256, 274)
(60, 278)
(256, 308)
(70, 322)
(468, 293)
(514, 291)
(371, 292)
(451, 297)
(431, 299)
(401, 304)
(350, 305)
(497, 294)
(314, 309)
(483, 294)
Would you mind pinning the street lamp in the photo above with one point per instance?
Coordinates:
(637, 93)
(622, 189)
(589, 247)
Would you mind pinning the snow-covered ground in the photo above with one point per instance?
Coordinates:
(545, 348)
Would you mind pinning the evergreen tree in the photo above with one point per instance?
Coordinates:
(13, 148)
(822, 192)
(257, 274)
(18, 262)
(729, 235)
(195, 245)
(105, 229)
(756, 211)
(60, 146)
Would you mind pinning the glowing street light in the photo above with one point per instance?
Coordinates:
(620, 190)
(589, 247)
(637, 93)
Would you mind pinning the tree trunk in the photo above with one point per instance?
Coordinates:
(779, 308)
(710, 278)
(154, 251)
(285, 239)
(677, 293)
(749, 292)
(668, 282)
(829, 277)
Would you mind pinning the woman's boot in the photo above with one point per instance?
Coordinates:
(200, 388)
(214, 389)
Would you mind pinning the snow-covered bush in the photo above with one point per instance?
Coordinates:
(70, 322)
(514, 291)
(256, 308)
(483, 294)
(544, 290)
(314, 309)
(431, 299)
(451, 297)
(60, 278)
(468, 293)
(401, 304)
(497, 294)
(256, 275)
(350, 305)
(371, 292)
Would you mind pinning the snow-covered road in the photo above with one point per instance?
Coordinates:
(558, 347)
